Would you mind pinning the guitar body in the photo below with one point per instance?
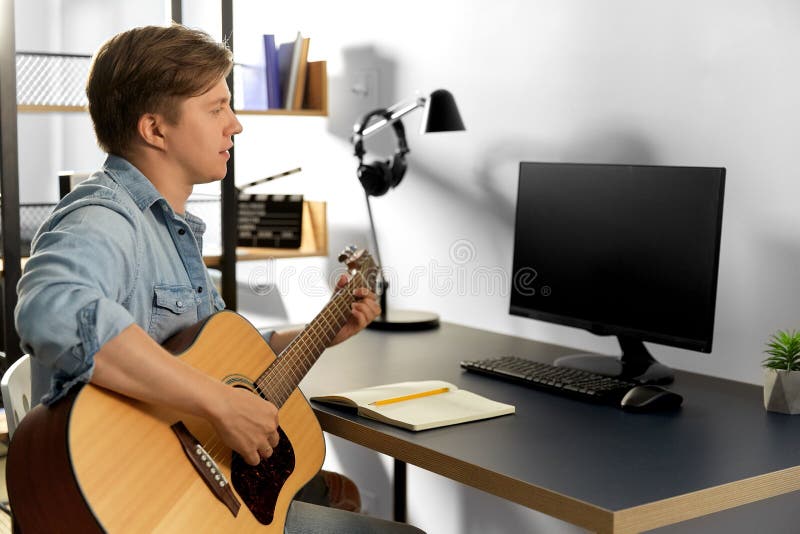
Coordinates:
(99, 461)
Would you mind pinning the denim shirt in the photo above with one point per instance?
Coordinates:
(112, 253)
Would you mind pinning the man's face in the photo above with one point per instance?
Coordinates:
(198, 144)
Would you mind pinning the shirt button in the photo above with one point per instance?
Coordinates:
(199, 289)
(181, 231)
(179, 304)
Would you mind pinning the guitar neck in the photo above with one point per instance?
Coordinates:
(283, 376)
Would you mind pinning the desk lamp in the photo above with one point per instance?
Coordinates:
(440, 115)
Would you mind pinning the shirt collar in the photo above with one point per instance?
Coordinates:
(195, 223)
(141, 190)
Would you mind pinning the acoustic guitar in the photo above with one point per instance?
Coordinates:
(97, 461)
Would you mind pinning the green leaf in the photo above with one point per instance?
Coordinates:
(783, 348)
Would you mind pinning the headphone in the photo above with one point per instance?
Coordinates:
(378, 177)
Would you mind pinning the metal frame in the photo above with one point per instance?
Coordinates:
(229, 192)
(176, 11)
(9, 181)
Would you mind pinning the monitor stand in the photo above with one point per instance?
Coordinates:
(635, 364)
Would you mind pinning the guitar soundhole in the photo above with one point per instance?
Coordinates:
(260, 485)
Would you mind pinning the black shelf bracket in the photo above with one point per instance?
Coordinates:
(229, 192)
(9, 181)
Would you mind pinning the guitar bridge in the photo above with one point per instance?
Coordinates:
(208, 469)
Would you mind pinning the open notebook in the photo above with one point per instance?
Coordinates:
(418, 405)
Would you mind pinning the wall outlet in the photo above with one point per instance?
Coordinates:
(364, 88)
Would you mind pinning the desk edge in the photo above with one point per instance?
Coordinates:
(706, 501)
(546, 501)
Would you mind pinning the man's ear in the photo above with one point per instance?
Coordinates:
(150, 128)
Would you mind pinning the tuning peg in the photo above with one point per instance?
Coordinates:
(347, 252)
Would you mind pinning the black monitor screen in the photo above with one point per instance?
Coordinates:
(620, 249)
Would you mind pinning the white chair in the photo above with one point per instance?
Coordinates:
(16, 389)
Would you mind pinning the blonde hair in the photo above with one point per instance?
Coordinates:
(149, 70)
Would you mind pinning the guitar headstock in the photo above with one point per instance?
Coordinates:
(360, 264)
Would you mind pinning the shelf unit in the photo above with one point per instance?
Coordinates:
(53, 83)
(314, 229)
(313, 242)
(50, 109)
(230, 254)
(9, 182)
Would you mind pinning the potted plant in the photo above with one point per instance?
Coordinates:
(781, 376)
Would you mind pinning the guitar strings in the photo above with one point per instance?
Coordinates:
(273, 384)
(274, 381)
(313, 341)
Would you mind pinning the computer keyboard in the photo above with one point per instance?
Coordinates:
(576, 383)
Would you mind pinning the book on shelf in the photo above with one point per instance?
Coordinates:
(316, 94)
(291, 84)
(281, 77)
(272, 72)
(285, 54)
(418, 405)
(302, 66)
(254, 81)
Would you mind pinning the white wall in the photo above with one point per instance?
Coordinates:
(674, 83)
(623, 81)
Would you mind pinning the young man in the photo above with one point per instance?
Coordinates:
(118, 266)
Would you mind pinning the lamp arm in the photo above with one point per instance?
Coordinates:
(396, 112)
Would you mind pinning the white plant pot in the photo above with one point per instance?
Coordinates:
(782, 391)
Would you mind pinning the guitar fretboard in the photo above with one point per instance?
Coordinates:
(286, 372)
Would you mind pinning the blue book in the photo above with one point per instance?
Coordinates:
(272, 73)
(254, 77)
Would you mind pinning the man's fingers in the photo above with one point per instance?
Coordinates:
(366, 307)
(252, 458)
(265, 451)
(364, 293)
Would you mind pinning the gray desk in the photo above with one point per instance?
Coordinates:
(590, 465)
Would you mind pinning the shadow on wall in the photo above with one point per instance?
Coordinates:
(771, 306)
(367, 82)
(497, 171)
(489, 194)
(492, 189)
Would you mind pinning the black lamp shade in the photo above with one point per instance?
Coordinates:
(441, 113)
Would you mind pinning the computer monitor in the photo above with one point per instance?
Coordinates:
(624, 250)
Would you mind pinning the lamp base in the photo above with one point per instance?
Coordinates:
(405, 321)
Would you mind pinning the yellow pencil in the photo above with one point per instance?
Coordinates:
(409, 397)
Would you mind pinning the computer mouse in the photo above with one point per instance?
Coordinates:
(650, 398)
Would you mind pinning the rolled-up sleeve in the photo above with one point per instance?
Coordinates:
(74, 288)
